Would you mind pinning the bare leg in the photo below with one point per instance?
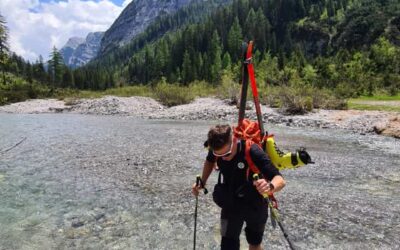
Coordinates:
(255, 247)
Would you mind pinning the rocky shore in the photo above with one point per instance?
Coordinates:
(385, 123)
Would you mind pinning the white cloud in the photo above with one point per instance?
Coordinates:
(35, 27)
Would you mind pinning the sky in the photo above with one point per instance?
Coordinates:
(35, 26)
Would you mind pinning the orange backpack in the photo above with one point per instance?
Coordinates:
(250, 132)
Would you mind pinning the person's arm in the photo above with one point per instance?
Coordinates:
(263, 186)
(207, 170)
(273, 180)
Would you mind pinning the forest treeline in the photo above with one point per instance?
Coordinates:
(349, 47)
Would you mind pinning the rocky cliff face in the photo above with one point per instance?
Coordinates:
(68, 50)
(79, 51)
(135, 18)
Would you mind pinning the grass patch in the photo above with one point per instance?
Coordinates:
(358, 106)
(137, 90)
(167, 94)
(378, 98)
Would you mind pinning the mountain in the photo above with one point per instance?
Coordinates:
(135, 18)
(195, 12)
(79, 51)
(68, 50)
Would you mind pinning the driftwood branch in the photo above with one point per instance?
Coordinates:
(8, 149)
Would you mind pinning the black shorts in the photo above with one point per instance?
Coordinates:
(232, 221)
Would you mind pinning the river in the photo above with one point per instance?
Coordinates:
(111, 182)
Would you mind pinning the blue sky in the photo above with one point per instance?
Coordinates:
(35, 26)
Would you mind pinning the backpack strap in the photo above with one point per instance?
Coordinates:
(250, 162)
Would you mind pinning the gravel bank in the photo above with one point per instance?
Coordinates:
(37, 106)
(386, 123)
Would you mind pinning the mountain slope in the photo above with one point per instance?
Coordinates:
(135, 18)
(68, 49)
(195, 12)
(78, 51)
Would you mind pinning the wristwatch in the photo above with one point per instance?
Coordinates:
(271, 186)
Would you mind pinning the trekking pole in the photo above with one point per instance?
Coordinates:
(275, 216)
(199, 181)
(195, 224)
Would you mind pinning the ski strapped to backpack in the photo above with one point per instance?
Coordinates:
(253, 131)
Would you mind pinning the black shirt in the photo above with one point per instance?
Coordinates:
(237, 167)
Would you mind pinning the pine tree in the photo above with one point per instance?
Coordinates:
(262, 28)
(235, 39)
(39, 71)
(187, 72)
(250, 25)
(314, 12)
(56, 67)
(29, 72)
(67, 78)
(331, 8)
(300, 9)
(199, 66)
(226, 61)
(215, 57)
(4, 50)
(274, 46)
(110, 82)
(243, 10)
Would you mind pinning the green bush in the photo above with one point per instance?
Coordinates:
(301, 98)
(10, 96)
(295, 100)
(17, 90)
(3, 99)
(269, 95)
(327, 99)
(62, 94)
(172, 94)
(228, 89)
(137, 90)
(202, 89)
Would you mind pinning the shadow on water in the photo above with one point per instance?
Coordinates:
(119, 182)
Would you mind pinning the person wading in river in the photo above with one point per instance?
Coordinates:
(238, 195)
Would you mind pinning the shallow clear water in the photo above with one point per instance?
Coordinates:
(102, 182)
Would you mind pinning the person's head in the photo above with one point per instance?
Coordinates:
(220, 140)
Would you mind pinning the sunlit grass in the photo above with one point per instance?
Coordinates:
(167, 94)
(378, 98)
(358, 106)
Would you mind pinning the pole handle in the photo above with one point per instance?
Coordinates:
(257, 177)
(199, 182)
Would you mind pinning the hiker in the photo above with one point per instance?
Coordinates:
(237, 194)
